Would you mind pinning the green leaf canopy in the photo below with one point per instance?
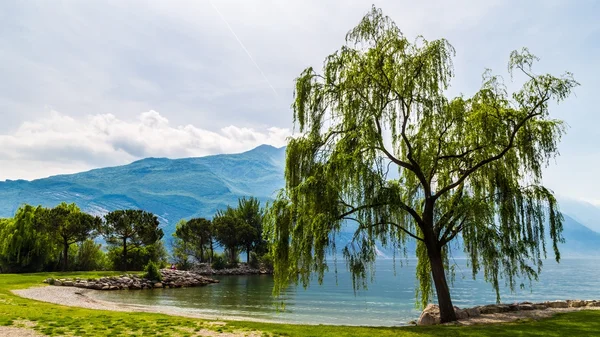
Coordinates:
(382, 146)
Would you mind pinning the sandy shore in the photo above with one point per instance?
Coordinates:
(84, 298)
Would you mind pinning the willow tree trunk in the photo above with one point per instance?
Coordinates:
(447, 313)
(434, 252)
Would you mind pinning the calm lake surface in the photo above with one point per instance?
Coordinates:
(389, 300)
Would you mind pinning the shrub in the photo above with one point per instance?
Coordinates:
(266, 261)
(152, 272)
(218, 262)
(89, 256)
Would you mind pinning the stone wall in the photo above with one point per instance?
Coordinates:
(170, 279)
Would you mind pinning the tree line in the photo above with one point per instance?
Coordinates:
(235, 230)
(65, 238)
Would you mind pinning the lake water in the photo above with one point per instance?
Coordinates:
(389, 300)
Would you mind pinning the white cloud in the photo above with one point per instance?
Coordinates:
(62, 144)
(86, 58)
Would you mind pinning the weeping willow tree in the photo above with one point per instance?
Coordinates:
(465, 168)
(25, 243)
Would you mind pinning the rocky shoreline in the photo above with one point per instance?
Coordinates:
(170, 279)
(242, 269)
(431, 314)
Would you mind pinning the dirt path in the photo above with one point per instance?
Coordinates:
(8, 331)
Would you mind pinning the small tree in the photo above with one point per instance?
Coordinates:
(181, 245)
(90, 256)
(136, 227)
(152, 272)
(250, 213)
(469, 168)
(229, 229)
(194, 237)
(69, 225)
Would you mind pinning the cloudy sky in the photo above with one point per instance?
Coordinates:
(86, 84)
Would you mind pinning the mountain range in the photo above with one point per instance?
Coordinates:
(175, 189)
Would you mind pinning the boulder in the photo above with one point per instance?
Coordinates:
(460, 313)
(505, 308)
(429, 316)
(473, 312)
(577, 304)
(523, 306)
(489, 309)
(557, 304)
(158, 285)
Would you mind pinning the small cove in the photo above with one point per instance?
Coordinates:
(389, 300)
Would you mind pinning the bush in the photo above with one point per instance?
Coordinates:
(254, 261)
(152, 272)
(266, 261)
(89, 256)
(138, 257)
(218, 262)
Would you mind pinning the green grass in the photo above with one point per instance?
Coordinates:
(56, 320)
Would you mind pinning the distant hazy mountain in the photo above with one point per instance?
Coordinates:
(170, 188)
(584, 212)
(580, 241)
(174, 189)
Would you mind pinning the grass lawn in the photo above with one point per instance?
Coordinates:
(56, 320)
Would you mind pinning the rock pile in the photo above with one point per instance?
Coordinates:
(431, 314)
(170, 279)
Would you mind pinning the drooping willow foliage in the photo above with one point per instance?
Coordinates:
(382, 147)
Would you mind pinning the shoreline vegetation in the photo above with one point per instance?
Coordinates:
(27, 304)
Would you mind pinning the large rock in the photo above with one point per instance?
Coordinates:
(429, 316)
(489, 309)
(576, 303)
(557, 304)
(473, 312)
(526, 306)
(460, 313)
